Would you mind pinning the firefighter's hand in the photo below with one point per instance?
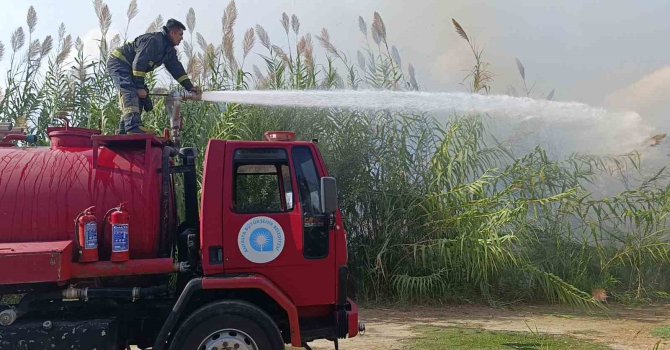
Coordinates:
(197, 90)
(142, 93)
(147, 104)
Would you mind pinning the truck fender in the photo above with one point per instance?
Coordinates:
(192, 286)
(227, 283)
(265, 285)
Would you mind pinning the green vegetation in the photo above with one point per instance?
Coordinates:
(661, 332)
(463, 338)
(434, 210)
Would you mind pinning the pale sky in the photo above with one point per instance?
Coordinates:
(612, 53)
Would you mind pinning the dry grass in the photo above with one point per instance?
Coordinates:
(18, 39)
(480, 76)
(362, 26)
(31, 19)
(285, 22)
(295, 24)
(263, 36)
(132, 10)
(379, 28)
(104, 16)
(249, 41)
(156, 25)
(324, 40)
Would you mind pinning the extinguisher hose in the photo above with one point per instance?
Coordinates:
(76, 231)
(109, 212)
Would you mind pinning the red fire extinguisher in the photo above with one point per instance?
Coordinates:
(87, 235)
(120, 234)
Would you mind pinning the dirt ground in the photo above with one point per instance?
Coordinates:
(620, 328)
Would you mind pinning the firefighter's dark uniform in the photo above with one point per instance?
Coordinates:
(128, 66)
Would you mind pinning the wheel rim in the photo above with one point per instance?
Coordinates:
(228, 339)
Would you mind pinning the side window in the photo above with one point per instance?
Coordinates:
(309, 182)
(315, 224)
(262, 182)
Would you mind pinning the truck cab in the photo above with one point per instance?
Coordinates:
(269, 210)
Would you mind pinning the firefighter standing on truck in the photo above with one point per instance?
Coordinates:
(129, 64)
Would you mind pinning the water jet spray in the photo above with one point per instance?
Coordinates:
(567, 127)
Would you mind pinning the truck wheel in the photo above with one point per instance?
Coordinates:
(228, 325)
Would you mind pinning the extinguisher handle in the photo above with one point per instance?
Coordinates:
(108, 213)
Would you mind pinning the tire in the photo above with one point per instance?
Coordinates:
(234, 322)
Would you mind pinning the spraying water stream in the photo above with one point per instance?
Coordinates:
(564, 127)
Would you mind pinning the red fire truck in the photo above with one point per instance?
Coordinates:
(111, 241)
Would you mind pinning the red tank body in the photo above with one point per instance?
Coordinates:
(43, 189)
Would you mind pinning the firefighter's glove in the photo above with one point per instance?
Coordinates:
(147, 104)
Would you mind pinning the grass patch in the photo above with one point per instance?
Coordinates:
(432, 338)
(661, 332)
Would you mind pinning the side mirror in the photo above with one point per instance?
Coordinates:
(328, 195)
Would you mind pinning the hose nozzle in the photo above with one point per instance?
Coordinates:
(193, 96)
(173, 104)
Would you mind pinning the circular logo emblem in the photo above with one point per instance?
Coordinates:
(261, 239)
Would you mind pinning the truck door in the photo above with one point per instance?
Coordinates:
(273, 225)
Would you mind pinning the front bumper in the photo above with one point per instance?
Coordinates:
(347, 320)
(352, 315)
(347, 310)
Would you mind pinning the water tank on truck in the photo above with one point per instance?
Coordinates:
(42, 189)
